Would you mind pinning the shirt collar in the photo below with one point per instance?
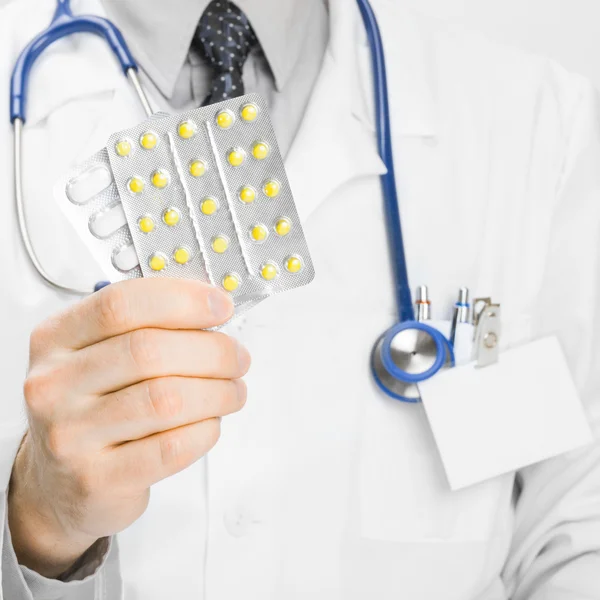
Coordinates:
(159, 33)
(283, 28)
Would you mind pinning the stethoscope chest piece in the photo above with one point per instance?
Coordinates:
(407, 354)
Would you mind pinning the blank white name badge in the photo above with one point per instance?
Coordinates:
(496, 419)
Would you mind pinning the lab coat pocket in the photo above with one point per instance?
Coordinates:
(404, 494)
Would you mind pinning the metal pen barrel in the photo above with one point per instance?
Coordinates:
(463, 306)
(462, 312)
(423, 304)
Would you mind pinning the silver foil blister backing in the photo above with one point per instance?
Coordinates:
(222, 182)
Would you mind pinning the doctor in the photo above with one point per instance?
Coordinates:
(321, 487)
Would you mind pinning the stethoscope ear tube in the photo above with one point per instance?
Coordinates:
(63, 24)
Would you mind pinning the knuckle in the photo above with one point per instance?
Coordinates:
(38, 389)
(164, 398)
(87, 480)
(124, 397)
(113, 309)
(178, 451)
(40, 338)
(144, 350)
(171, 449)
(59, 442)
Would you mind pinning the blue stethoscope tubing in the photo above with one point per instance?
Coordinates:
(64, 23)
(389, 377)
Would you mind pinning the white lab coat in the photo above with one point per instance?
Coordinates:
(321, 487)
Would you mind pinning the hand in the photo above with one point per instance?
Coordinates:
(124, 389)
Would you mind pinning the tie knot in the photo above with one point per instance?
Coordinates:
(225, 36)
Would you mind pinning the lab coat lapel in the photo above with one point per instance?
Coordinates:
(410, 69)
(332, 145)
(122, 112)
(336, 142)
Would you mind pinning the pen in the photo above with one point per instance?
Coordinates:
(462, 312)
(423, 304)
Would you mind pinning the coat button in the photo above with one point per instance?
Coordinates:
(237, 523)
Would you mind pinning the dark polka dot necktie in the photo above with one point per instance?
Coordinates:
(225, 38)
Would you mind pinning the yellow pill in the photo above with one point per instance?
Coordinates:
(272, 188)
(160, 179)
(187, 129)
(293, 264)
(182, 256)
(259, 233)
(283, 227)
(136, 185)
(268, 271)
(171, 217)
(225, 119)
(247, 195)
(146, 224)
(260, 150)
(231, 282)
(158, 262)
(236, 157)
(149, 140)
(123, 148)
(197, 168)
(209, 206)
(220, 244)
(249, 112)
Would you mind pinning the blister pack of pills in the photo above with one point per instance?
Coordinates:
(200, 195)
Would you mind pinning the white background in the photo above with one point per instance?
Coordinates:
(566, 30)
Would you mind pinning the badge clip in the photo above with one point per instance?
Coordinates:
(486, 316)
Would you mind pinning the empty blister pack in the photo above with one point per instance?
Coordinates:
(200, 195)
(90, 200)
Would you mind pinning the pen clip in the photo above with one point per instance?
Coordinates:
(479, 305)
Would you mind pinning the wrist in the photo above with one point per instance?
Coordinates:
(39, 539)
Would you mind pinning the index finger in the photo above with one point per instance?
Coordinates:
(136, 304)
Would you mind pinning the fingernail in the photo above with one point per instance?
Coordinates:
(220, 305)
(243, 357)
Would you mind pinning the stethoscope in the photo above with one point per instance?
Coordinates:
(409, 352)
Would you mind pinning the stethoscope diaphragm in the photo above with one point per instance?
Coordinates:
(407, 354)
